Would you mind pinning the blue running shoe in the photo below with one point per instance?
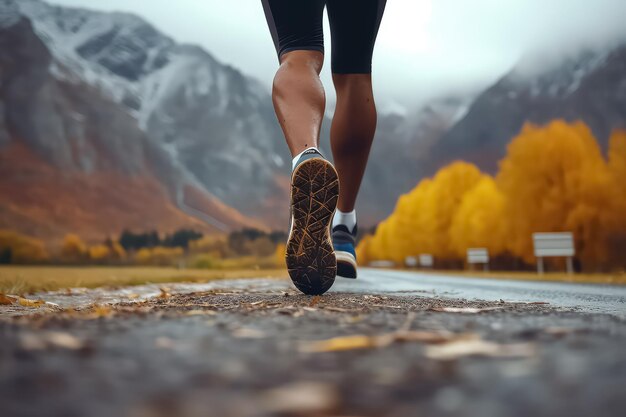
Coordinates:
(344, 241)
(314, 192)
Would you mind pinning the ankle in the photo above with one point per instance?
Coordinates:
(294, 161)
(347, 219)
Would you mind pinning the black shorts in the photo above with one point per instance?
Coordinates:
(297, 25)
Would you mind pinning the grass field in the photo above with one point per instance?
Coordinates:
(28, 279)
(608, 278)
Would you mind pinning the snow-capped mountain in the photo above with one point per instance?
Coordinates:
(589, 85)
(215, 123)
(73, 159)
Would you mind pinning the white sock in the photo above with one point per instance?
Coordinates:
(295, 158)
(347, 219)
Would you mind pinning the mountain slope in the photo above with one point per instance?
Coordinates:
(588, 86)
(63, 141)
(215, 123)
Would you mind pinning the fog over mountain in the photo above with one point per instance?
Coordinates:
(425, 48)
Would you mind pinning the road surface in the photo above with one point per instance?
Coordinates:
(390, 344)
(610, 299)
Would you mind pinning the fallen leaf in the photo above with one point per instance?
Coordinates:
(386, 306)
(463, 310)
(101, 311)
(358, 341)
(315, 300)
(342, 343)
(64, 340)
(478, 347)
(200, 313)
(25, 302)
(164, 293)
(338, 309)
(301, 398)
(248, 333)
(6, 299)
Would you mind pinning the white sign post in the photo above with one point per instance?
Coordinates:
(478, 256)
(410, 261)
(554, 245)
(426, 260)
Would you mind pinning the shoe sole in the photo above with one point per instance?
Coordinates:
(346, 265)
(310, 256)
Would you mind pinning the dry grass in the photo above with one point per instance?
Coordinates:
(28, 279)
(618, 278)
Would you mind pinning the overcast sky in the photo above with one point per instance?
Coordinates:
(424, 48)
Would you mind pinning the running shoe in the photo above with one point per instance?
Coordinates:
(344, 242)
(310, 256)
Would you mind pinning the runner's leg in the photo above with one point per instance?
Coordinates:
(298, 94)
(354, 26)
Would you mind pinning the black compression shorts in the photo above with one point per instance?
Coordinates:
(297, 25)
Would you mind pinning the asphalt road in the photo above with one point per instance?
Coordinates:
(390, 344)
(608, 299)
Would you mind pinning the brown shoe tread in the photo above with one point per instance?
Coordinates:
(310, 255)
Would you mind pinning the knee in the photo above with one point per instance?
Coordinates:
(353, 83)
(309, 61)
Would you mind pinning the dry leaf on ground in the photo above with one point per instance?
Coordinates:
(248, 333)
(32, 341)
(64, 340)
(25, 302)
(6, 299)
(315, 300)
(463, 310)
(164, 293)
(301, 398)
(358, 341)
(478, 347)
(338, 309)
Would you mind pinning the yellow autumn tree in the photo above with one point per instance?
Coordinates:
(73, 249)
(449, 188)
(422, 218)
(555, 179)
(99, 253)
(480, 220)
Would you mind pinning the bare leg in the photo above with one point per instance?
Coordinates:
(352, 133)
(299, 99)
